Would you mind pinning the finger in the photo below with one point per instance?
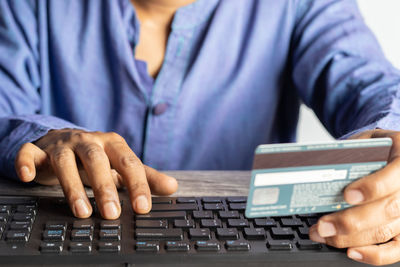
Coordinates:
(64, 165)
(374, 186)
(360, 218)
(375, 235)
(97, 167)
(29, 156)
(382, 254)
(160, 183)
(133, 173)
(114, 174)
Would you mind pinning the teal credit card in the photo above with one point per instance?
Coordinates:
(309, 178)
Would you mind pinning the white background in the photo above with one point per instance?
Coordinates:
(382, 16)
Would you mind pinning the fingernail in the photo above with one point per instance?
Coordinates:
(111, 210)
(355, 255)
(81, 209)
(141, 204)
(326, 229)
(354, 196)
(315, 236)
(25, 172)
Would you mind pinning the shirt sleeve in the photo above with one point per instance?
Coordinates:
(340, 70)
(20, 101)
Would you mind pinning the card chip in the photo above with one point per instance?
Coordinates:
(266, 196)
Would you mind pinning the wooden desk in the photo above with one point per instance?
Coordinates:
(191, 183)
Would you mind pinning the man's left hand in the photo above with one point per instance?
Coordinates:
(371, 228)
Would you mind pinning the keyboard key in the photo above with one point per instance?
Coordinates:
(238, 223)
(237, 245)
(110, 234)
(168, 215)
(303, 232)
(236, 199)
(109, 247)
(308, 244)
(5, 209)
(83, 224)
(211, 223)
(282, 233)
(159, 234)
(254, 233)
(3, 217)
(82, 235)
(147, 246)
(228, 214)
(52, 225)
(160, 224)
(291, 222)
(17, 235)
(174, 207)
(280, 244)
(207, 245)
(51, 247)
(177, 246)
(213, 206)
(23, 217)
(200, 234)
(161, 200)
(53, 235)
(201, 214)
(80, 247)
(21, 226)
(2, 227)
(212, 200)
(265, 222)
(26, 209)
(237, 206)
(311, 221)
(186, 200)
(13, 200)
(184, 224)
(108, 224)
(227, 233)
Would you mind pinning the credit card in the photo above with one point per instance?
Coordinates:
(310, 177)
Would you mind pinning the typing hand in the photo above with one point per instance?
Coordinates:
(370, 229)
(56, 154)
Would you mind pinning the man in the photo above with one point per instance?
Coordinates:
(184, 84)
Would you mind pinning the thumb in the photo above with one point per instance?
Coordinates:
(28, 158)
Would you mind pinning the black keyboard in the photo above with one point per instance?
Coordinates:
(182, 230)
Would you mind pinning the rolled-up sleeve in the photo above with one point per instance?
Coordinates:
(20, 101)
(340, 70)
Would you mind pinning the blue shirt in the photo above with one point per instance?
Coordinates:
(233, 77)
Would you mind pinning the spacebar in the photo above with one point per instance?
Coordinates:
(159, 234)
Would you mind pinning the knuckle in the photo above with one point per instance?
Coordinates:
(377, 189)
(383, 234)
(138, 186)
(392, 208)
(130, 161)
(104, 189)
(94, 153)
(81, 137)
(115, 137)
(348, 224)
(60, 155)
(337, 241)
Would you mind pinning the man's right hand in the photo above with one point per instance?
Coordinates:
(58, 157)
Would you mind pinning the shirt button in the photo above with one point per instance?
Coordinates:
(160, 108)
